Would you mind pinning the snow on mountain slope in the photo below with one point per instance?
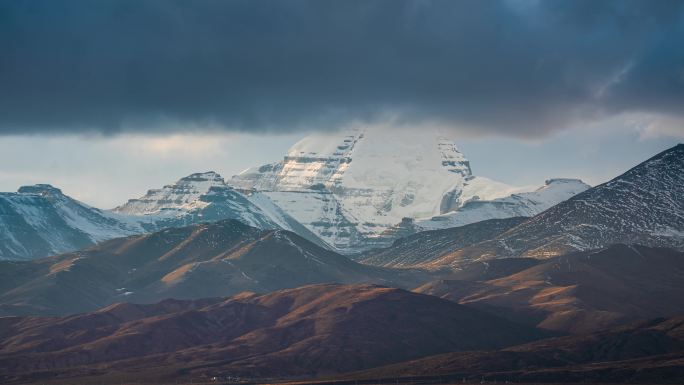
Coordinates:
(352, 188)
(39, 220)
(205, 197)
(643, 206)
(406, 175)
(181, 196)
(195, 198)
(526, 204)
(351, 191)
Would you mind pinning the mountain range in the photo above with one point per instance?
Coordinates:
(353, 260)
(204, 260)
(320, 329)
(349, 193)
(644, 206)
(353, 187)
(578, 292)
(644, 352)
(40, 220)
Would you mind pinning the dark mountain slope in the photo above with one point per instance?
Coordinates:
(583, 291)
(646, 352)
(305, 331)
(207, 260)
(426, 246)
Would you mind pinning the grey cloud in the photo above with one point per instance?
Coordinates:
(514, 67)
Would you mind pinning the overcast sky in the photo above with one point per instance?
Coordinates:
(106, 99)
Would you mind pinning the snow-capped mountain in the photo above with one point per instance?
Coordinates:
(196, 198)
(182, 196)
(205, 197)
(40, 220)
(350, 191)
(350, 186)
(525, 204)
(354, 188)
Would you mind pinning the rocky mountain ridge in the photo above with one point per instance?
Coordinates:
(644, 206)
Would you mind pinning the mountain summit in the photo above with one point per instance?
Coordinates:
(182, 195)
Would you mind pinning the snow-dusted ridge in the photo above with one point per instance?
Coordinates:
(642, 206)
(40, 220)
(205, 197)
(181, 196)
(526, 204)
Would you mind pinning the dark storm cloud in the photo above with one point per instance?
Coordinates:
(520, 67)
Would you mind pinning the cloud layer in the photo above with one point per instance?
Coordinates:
(514, 67)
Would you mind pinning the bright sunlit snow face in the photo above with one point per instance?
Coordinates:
(378, 175)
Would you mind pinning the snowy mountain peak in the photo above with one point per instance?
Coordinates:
(41, 189)
(351, 186)
(205, 197)
(182, 195)
(566, 186)
(558, 181)
(452, 159)
(209, 176)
